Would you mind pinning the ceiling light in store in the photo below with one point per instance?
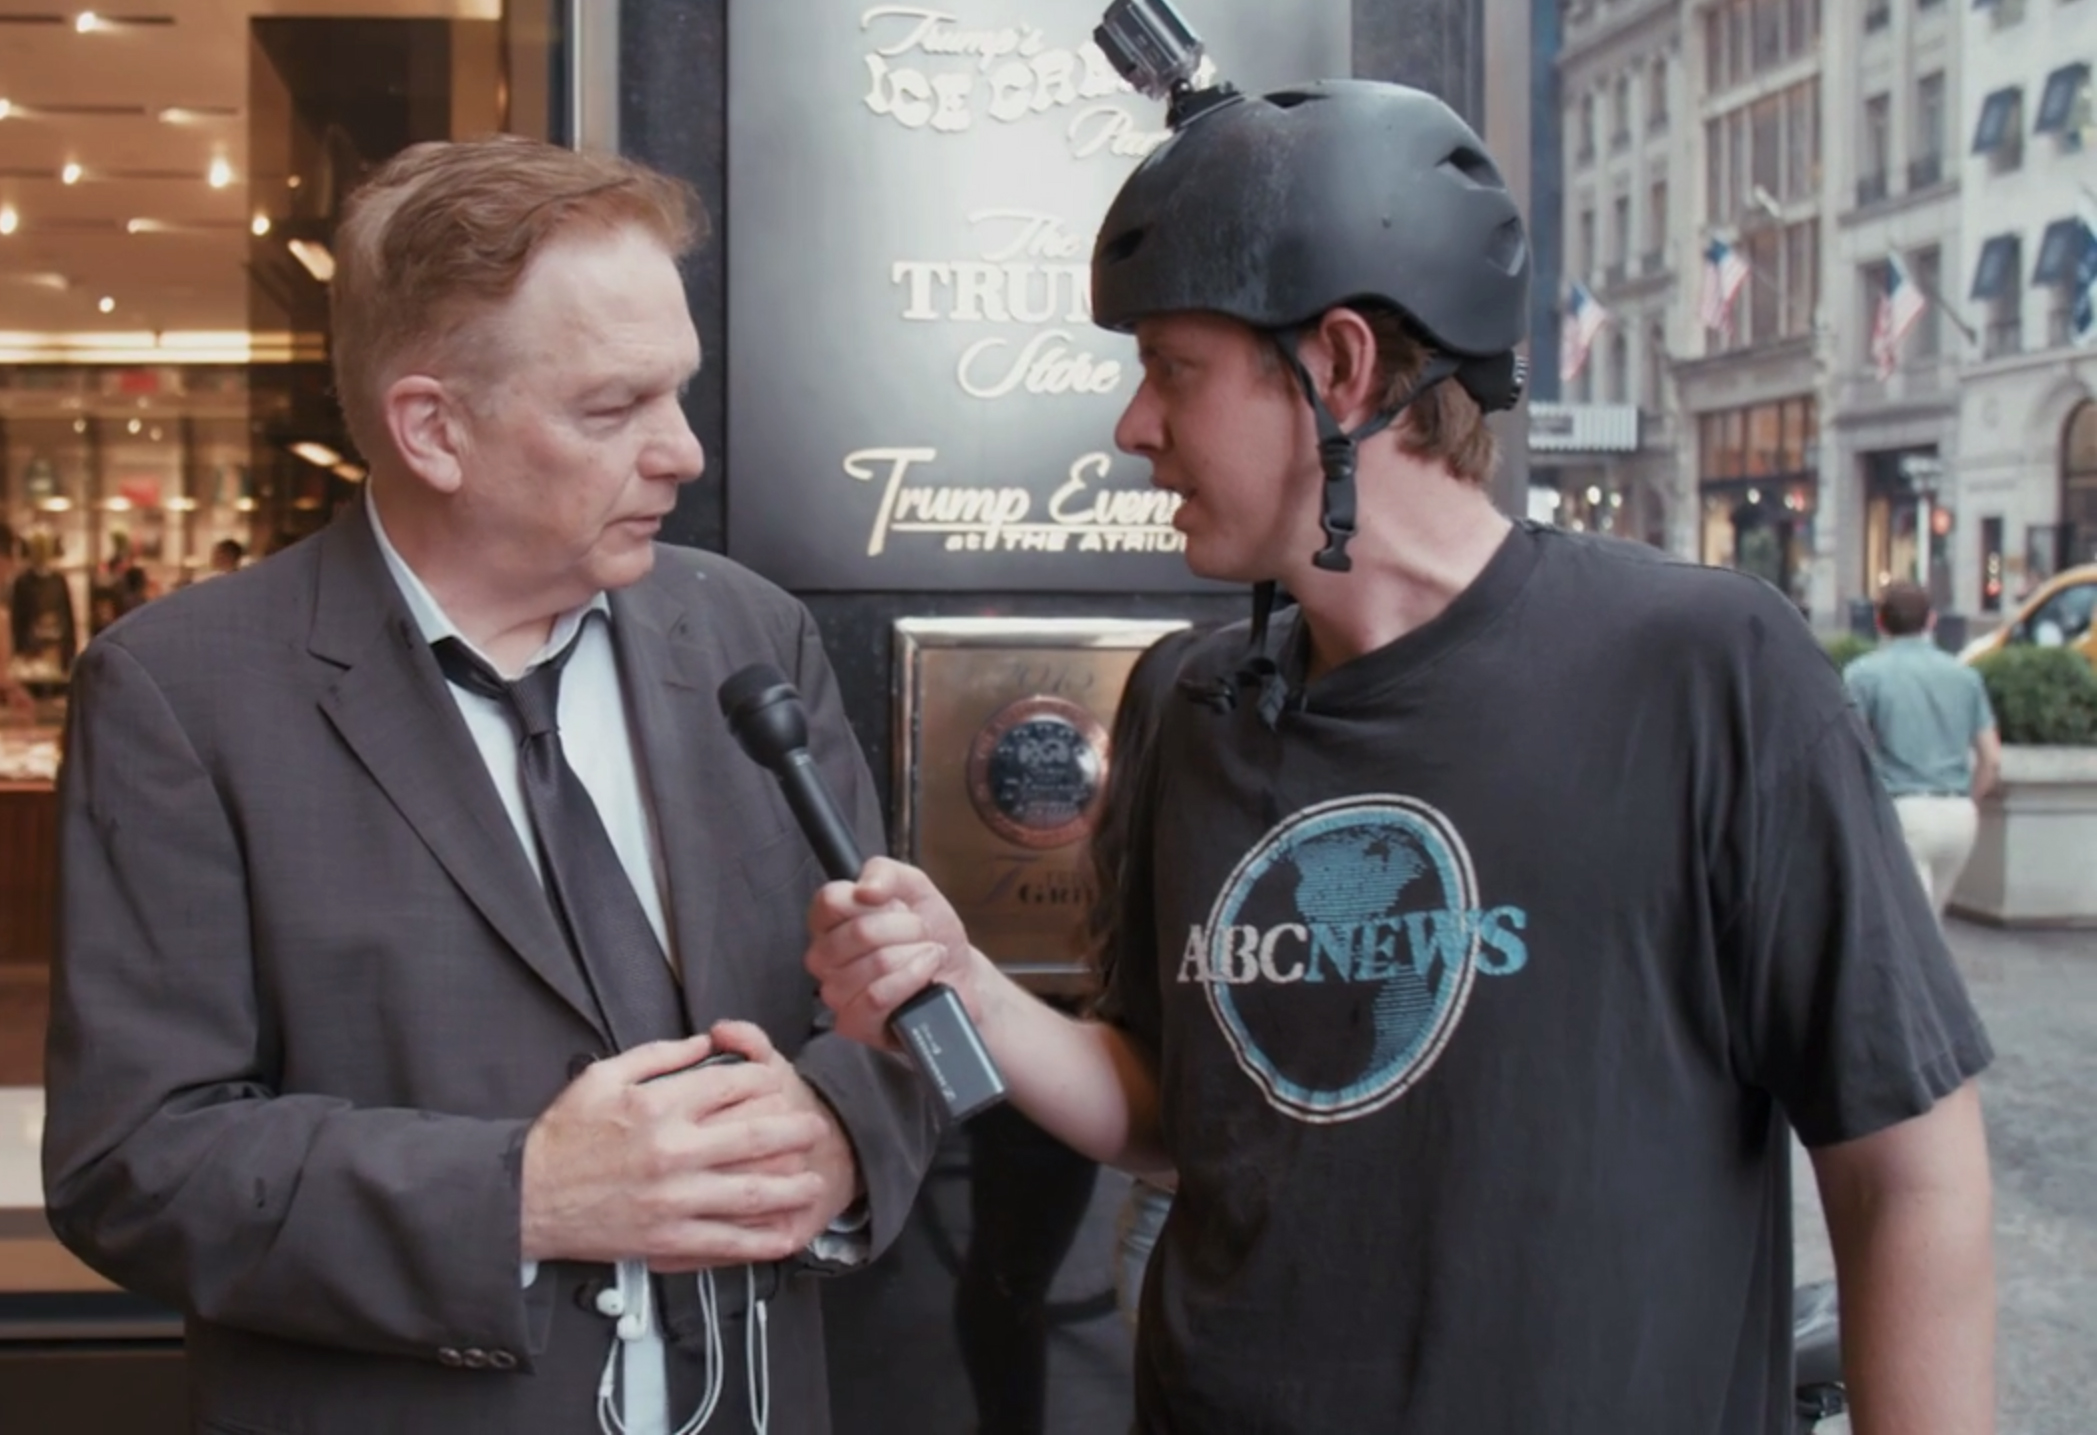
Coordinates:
(5, 109)
(244, 505)
(220, 174)
(9, 220)
(87, 22)
(133, 427)
(79, 425)
(153, 433)
(315, 257)
(54, 505)
(317, 454)
(181, 503)
(260, 226)
(70, 174)
(106, 304)
(117, 505)
(350, 472)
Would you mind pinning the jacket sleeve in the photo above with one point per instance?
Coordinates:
(172, 1164)
(888, 1111)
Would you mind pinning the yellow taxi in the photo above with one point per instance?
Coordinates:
(2058, 614)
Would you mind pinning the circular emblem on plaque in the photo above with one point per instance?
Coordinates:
(1035, 771)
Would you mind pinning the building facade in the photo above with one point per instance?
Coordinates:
(2023, 477)
(1609, 454)
(1812, 430)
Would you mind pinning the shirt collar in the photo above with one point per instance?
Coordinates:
(435, 624)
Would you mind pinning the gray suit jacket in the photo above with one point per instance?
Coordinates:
(310, 994)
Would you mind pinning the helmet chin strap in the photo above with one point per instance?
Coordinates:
(1337, 449)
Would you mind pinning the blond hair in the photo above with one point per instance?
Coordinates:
(1445, 424)
(441, 233)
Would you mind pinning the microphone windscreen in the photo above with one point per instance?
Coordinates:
(748, 686)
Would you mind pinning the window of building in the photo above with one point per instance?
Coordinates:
(1926, 339)
(1996, 286)
(1999, 132)
(1926, 167)
(1656, 369)
(1805, 27)
(1769, 34)
(1620, 113)
(1878, 14)
(1773, 144)
(1585, 254)
(1767, 164)
(1802, 141)
(1619, 369)
(1760, 490)
(2064, 106)
(1656, 228)
(1587, 127)
(1801, 278)
(1656, 94)
(2062, 256)
(1765, 301)
(1878, 149)
(1620, 240)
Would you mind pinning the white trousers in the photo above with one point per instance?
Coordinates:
(1940, 833)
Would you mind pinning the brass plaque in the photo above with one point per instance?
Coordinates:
(1002, 756)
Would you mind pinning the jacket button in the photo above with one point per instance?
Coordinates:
(581, 1062)
(450, 1357)
(475, 1359)
(501, 1360)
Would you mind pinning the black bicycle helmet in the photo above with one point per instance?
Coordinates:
(1274, 209)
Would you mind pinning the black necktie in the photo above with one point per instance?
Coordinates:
(594, 900)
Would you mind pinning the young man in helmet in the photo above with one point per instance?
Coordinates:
(1499, 907)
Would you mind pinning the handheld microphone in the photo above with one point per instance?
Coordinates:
(764, 712)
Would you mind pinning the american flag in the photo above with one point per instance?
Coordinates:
(1585, 318)
(1724, 272)
(1900, 305)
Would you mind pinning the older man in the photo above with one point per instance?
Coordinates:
(401, 869)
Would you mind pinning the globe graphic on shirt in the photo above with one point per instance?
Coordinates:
(1345, 946)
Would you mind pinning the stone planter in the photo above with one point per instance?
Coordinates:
(2035, 863)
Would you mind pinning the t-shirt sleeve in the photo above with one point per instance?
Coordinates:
(1848, 1010)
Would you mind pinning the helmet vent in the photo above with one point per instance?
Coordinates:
(1505, 248)
(1122, 245)
(1290, 99)
(1474, 167)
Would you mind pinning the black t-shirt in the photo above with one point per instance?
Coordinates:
(1482, 982)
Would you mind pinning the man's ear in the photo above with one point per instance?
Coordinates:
(1342, 357)
(422, 417)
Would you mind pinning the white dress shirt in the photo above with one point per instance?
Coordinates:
(598, 744)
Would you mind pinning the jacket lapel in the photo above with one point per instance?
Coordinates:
(390, 705)
(684, 747)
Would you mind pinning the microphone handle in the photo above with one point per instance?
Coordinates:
(809, 797)
(933, 1026)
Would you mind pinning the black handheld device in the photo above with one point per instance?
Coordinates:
(765, 713)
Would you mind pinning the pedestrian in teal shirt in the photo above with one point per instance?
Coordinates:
(1933, 737)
